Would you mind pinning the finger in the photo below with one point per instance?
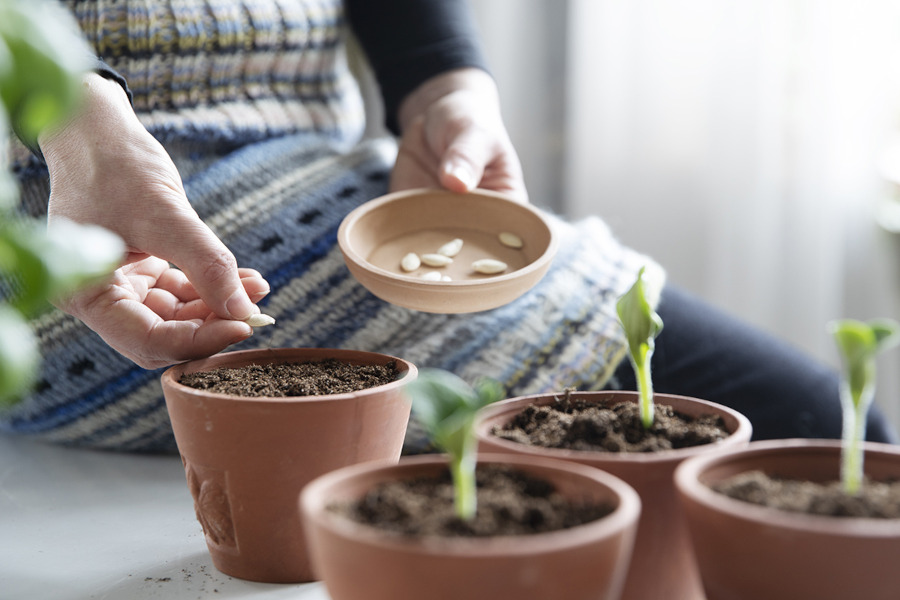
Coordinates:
(208, 265)
(464, 161)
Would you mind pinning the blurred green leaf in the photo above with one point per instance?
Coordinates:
(18, 356)
(42, 60)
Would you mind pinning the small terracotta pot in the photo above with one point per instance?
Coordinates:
(662, 567)
(748, 552)
(360, 562)
(247, 459)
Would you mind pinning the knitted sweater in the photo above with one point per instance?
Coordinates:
(256, 104)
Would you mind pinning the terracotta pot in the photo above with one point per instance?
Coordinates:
(247, 459)
(360, 562)
(747, 552)
(662, 567)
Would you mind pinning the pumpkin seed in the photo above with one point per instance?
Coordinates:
(510, 239)
(431, 276)
(436, 260)
(451, 248)
(489, 266)
(410, 262)
(259, 320)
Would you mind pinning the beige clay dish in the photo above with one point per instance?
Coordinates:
(376, 236)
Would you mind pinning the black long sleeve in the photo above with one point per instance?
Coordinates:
(409, 41)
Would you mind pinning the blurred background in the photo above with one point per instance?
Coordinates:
(745, 144)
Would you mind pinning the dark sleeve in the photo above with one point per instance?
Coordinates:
(104, 70)
(409, 41)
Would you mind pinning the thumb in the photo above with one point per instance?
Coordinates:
(464, 161)
(209, 266)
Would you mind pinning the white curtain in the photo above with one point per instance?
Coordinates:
(737, 141)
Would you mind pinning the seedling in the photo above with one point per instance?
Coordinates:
(446, 406)
(641, 325)
(858, 345)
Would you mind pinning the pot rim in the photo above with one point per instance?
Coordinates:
(624, 516)
(742, 431)
(170, 376)
(688, 482)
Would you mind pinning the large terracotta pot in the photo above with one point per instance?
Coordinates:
(247, 459)
(360, 562)
(662, 567)
(748, 552)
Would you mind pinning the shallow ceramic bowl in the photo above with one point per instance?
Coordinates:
(377, 235)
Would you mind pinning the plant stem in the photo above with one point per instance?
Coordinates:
(852, 451)
(645, 386)
(463, 473)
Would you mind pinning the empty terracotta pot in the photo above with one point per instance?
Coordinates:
(361, 562)
(748, 552)
(247, 459)
(662, 567)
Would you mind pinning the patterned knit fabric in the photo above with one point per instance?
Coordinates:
(276, 199)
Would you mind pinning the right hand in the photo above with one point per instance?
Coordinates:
(106, 169)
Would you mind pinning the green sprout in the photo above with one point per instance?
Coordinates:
(858, 344)
(446, 406)
(42, 61)
(641, 325)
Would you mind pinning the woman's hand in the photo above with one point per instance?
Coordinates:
(454, 137)
(106, 169)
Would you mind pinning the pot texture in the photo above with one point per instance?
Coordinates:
(360, 562)
(747, 552)
(247, 459)
(662, 567)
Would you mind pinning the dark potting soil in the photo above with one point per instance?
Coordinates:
(579, 425)
(876, 499)
(316, 378)
(510, 502)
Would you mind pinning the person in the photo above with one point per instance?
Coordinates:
(223, 142)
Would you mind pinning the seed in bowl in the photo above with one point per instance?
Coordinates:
(431, 276)
(410, 262)
(489, 266)
(436, 260)
(451, 248)
(510, 239)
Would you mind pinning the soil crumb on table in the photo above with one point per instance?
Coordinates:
(876, 499)
(510, 502)
(314, 378)
(575, 424)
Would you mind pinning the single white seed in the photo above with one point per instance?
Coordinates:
(431, 276)
(436, 260)
(259, 320)
(510, 239)
(446, 278)
(451, 248)
(489, 266)
(410, 262)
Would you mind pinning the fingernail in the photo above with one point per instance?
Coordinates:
(239, 306)
(463, 174)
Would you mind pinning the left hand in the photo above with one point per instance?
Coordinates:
(453, 137)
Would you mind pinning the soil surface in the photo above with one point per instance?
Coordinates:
(580, 425)
(876, 499)
(510, 502)
(321, 378)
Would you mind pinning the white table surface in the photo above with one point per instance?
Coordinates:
(80, 524)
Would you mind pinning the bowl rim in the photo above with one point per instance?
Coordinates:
(504, 407)
(169, 377)
(349, 222)
(626, 515)
(687, 478)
